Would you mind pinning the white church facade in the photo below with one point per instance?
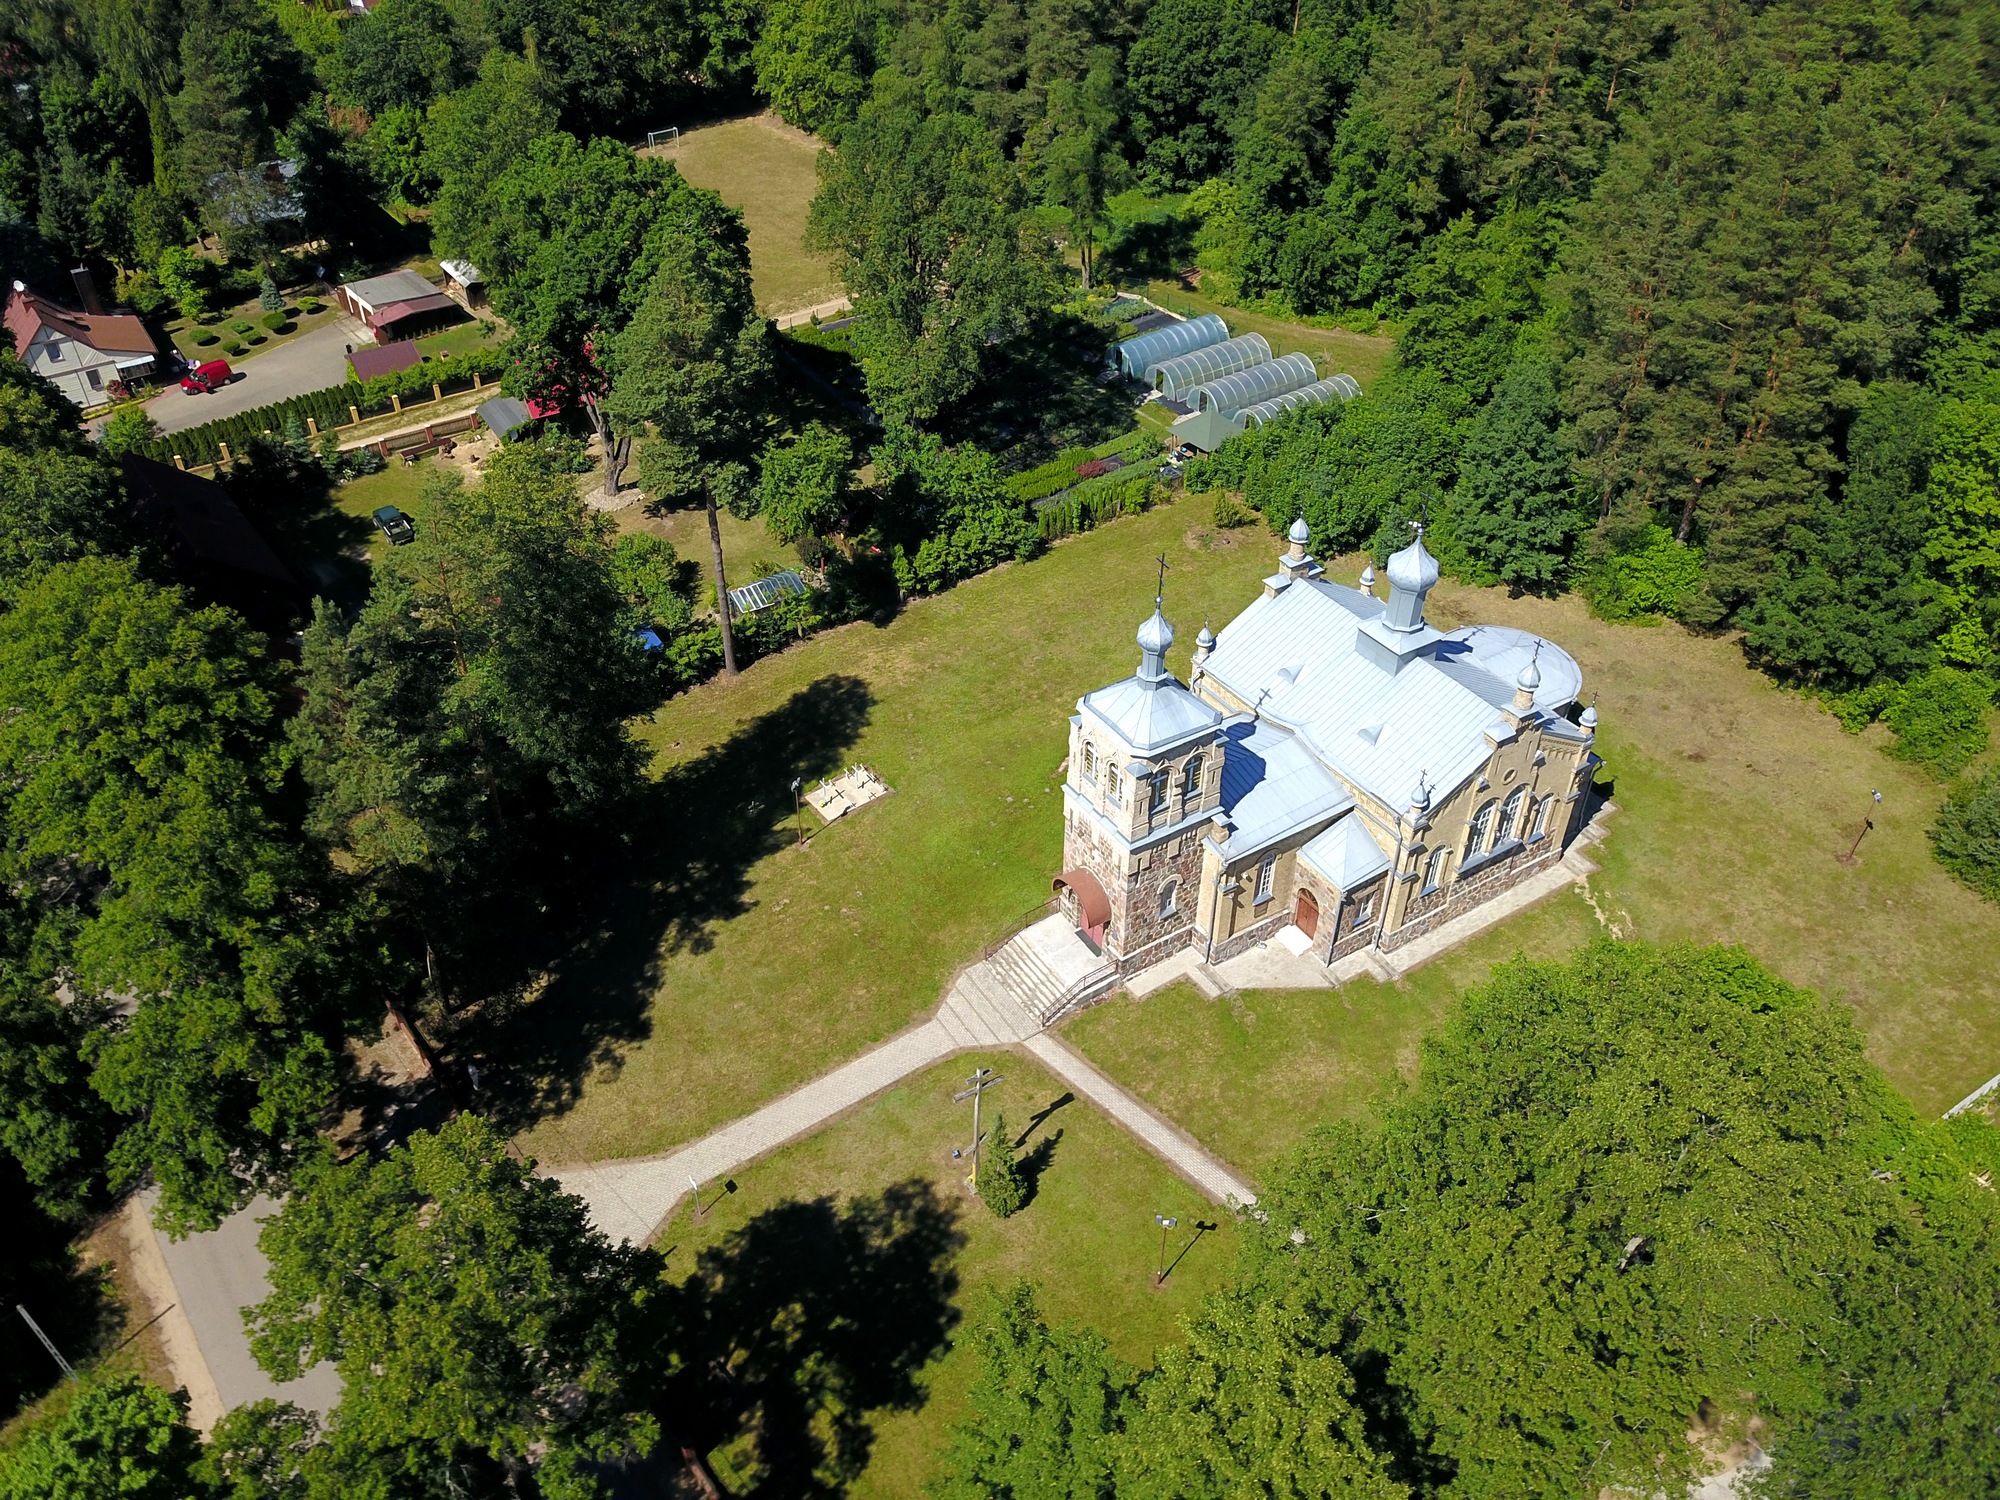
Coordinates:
(1335, 764)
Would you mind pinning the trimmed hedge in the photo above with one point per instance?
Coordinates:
(328, 408)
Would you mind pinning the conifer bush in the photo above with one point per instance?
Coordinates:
(1000, 1184)
(1939, 719)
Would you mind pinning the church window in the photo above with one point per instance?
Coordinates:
(1168, 893)
(1482, 829)
(1158, 801)
(1542, 816)
(1191, 778)
(1362, 913)
(1510, 815)
(1114, 787)
(1264, 875)
(1089, 762)
(1434, 870)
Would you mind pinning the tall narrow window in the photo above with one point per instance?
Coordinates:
(1264, 875)
(1434, 870)
(1159, 781)
(1089, 762)
(1114, 785)
(1482, 829)
(1168, 893)
(1542, 815)
(1510, 815)
(1191, 778)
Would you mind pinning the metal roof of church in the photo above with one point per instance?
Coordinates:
(1293, 656)
(1346, 854)
(1150, 717)
(1272, 786)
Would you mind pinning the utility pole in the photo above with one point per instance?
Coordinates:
(797, 811)
(981, 1080)
(1851, 856)
(1160, 1276)
(47, 1343)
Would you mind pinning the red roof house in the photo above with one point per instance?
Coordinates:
(81, 353)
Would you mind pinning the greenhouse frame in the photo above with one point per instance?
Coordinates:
(1176, 379)
(1134, 355)
(1232, 393)
(1333, 388)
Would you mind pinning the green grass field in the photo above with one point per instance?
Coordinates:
(859, 1250)
(766, 168)
(747, 966)
(1363, 355)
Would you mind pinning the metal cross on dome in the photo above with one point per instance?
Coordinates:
(1160, 593)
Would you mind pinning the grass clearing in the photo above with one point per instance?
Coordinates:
(745, 544)
(1248, 1075)
(770, 171)
(1365, 356)
(810, 1278)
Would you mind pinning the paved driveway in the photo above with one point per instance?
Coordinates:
(218, 1274)
(311, 362)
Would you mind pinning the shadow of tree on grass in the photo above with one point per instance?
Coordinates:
(801, 1324)
(683, 866)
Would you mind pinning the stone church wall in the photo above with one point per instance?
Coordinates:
(1425, 913)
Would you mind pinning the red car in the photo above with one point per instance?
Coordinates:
(205, 378)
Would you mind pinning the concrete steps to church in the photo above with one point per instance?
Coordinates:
(1048, 971)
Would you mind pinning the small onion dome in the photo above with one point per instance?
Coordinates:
(1299, 533)
(1368, 579)
(1420, 799)
(1156, 634)
(1206, 640)
(1413, 569)
(1589, 720)
(1531, 675)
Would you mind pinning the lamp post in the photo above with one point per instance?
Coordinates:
(798, 812)
(1160, 1276)
(1851, 856)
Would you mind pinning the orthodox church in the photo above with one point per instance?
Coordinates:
(1335, 765)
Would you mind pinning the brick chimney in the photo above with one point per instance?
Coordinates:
(86, 291)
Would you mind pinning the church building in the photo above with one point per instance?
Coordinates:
(1336, 765)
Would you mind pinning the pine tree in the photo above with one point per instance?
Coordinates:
(999, 1183)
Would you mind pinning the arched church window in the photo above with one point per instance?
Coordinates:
(1542, 815)
(1434, 869)
(1089, 761)
(1264, 876)
(1168, 894)
(1482, 828)
(1191, 778)
(1160, 781)
(1114, 785)
(1510, 815)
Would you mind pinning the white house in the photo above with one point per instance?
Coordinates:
(81, 352)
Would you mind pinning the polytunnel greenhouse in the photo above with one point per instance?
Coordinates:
(1334, 388)
(1135, 354)
(1232, 393)
(1175, 379)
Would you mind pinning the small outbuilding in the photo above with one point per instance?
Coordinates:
(463, 281)
(382, 359)
(398, 305)
(506, 416)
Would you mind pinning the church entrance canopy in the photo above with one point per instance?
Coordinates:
(1093, 907)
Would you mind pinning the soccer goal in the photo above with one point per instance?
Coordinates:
(663, 137)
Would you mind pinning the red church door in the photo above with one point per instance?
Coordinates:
(1306, 919)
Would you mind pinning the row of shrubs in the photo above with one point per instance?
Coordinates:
(328, 408)
(1088, 505)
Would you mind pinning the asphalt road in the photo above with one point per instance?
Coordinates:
(218, 1274)
(311, 362)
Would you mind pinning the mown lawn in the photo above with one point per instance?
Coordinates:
(856, 1254)
(769, 170)
(1733, 799)
(1250, 1074)
(740, 966)
(1363, 355)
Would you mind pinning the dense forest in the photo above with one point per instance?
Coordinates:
(1697, 311)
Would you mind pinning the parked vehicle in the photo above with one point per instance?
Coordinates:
(396, 528)
(203, 379)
